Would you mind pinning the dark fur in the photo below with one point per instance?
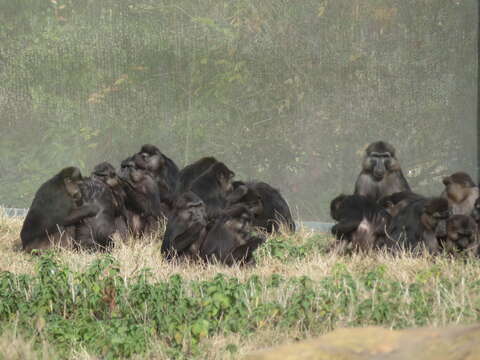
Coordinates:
(462, 236)
(246, 195)
(106, 173)
(164, 169)
(397, 201)
(191, 172)
(213, 186)
(381, 174)
(186, 227)
(231, 239)
(420, 224)
(226, 237)
(54, 207)
(273, 210)
(95, 233)
(360, 221)
(142, 198)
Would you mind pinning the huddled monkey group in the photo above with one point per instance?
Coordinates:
(384, 213)
(208, 215)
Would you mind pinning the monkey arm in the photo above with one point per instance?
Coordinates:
(345, 227)
(80, 213)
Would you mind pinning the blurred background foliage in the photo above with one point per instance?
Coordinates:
(289, 92)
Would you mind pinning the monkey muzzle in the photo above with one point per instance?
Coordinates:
(379, 170)
(378, 174)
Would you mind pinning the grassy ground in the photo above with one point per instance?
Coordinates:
(132, 303)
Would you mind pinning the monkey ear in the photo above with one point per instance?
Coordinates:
(446, 181)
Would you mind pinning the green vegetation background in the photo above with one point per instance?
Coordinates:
(101, 313)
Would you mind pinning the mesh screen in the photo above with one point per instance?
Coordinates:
(288, 92)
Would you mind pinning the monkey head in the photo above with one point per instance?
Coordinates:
(150, 158)
(223, 176)
(335, 206)
(434, 216)
(461, 233)
(379, 160)
(239, 217)
(458, 186)
(105, 172)
(71, 178)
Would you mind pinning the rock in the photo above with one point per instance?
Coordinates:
(374, 343)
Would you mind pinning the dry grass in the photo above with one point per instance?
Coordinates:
(134, 256)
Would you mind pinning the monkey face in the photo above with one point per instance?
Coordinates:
(106, 173)
(137, 175)
(379, 169)
(253, 201)
(150, 158)
(245, 219)
(153, 162)
(461, 233)
(225, 180)
(131, 172)
(455, 192)
(434, 216)
(73, 189)
(256, 206)
(125, 167)
(112, 181)
(191, 210)
(240, 218)
(436, 222)
(138, 179)
(378, 164)
(458, 186)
